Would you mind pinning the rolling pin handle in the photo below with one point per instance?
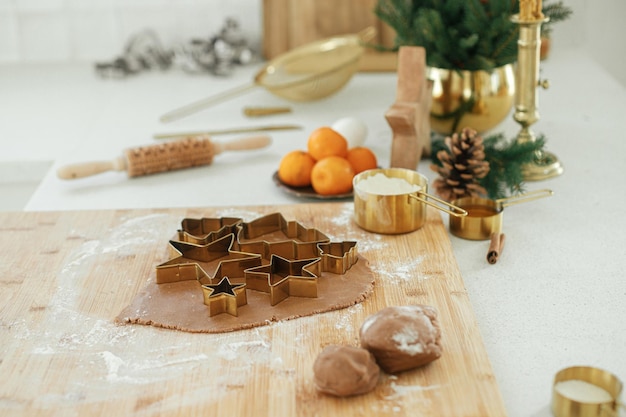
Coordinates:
(70, 172)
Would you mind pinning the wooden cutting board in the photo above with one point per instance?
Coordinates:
(291, 23)
(66, 275)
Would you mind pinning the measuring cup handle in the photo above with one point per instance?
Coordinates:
(453, 210)
(524, 197)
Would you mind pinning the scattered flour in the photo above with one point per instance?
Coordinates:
(402, 390)
(406, 341)
(106, 354)
(403, 272)
(345, 322)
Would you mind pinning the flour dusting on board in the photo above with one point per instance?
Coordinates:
(402, 390)
(108, 354)
(245, 215)
(366, 241)
(345, 322)
(401, 272)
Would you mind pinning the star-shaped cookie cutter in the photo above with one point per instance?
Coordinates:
(207, 229)
(270, 254)
(291, 239)
(284, 278)
(187, 258)
(224, 297)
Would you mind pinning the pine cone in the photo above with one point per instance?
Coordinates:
(463, 164)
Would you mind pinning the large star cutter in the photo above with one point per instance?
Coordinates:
(288, 263)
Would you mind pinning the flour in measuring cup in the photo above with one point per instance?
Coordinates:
(381, 184)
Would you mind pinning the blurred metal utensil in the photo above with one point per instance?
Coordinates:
(308, 72)
(227, 131)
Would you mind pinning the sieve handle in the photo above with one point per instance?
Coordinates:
(367, 34)
(453, 210)
(196, 106)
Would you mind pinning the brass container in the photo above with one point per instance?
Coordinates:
(476, 99)
(546, 164)
(395, 213)
(562, 406)
(484, 216)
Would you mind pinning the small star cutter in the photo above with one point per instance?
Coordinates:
(224, 297)
(289, 266)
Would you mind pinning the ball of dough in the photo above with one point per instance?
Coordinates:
(345, 370)
(402, 337)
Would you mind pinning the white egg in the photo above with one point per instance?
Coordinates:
(353, 129)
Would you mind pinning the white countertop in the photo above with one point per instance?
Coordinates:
(557, 298)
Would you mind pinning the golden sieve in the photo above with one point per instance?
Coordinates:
(308, 72)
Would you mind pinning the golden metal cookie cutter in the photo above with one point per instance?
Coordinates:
(224, 297)
(190, 261)
(270, 254)
(284, 278)
(565, 405)
(274, 235)
(338, 257)
(206, 230)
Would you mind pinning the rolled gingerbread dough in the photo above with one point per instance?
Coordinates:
(179, 305)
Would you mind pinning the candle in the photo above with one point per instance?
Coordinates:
(525, 9)
(583, 392)
(538, 13)
(530, 10)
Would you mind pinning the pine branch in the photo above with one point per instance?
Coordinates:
(557, 12)
(506, 160)
(457, 34)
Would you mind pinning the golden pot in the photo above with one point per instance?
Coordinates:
(476, 99)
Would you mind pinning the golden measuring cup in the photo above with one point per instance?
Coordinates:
(484, 216)
(396, 213)
(567, 404)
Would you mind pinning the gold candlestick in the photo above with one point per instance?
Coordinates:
(546, 164)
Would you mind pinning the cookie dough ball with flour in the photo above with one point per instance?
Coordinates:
(345, 370)
(402, 337)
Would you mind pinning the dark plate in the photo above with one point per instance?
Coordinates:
(307, 192)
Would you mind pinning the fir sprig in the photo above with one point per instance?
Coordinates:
(457, 34)
(461, 34)
(557, 12)
(506, 159)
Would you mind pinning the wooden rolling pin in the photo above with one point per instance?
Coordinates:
(169, 156)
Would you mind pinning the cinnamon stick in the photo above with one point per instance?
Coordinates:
(496, 245)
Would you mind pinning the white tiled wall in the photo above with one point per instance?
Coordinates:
(88, 30)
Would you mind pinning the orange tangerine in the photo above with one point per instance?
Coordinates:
(324, 142)
(332, 175)
(295, 168)
(361, 159)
